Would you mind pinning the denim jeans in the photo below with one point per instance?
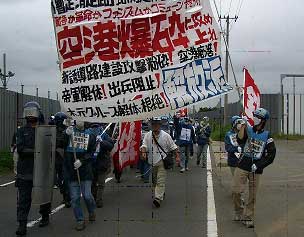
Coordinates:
(144, 168)
(184, 155)
(75, 193)
(202, 154)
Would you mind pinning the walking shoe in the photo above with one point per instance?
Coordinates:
(45, 220)
(80, 226)
(92, 217)
(156, 202)
(187, 169)
(203, 165)
(21, 231)
(237, 217)
(182, 170)
(198, 163)
(249, 223)
(67, 204)
(99, 204)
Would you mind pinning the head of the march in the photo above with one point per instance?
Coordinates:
(156, 123)
(32, 113)
(260, 117)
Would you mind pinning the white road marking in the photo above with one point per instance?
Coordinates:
(5, 185)
(57, 209)
(211, 211)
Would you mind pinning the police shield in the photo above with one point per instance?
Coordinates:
(44, 164)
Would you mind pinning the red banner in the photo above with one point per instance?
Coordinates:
(252, 96)
(126, 149)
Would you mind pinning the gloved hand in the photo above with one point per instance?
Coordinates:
(238, 155)
(77, 164)
(239, 149)
(69, 130)
(253, 168)
(98, 138)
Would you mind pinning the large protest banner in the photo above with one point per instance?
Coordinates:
(126, 60)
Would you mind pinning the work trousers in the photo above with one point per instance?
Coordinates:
(98, 184)
(159, 175)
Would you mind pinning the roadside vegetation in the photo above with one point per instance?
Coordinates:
(6, 162)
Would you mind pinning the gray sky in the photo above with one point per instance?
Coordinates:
(275, 27)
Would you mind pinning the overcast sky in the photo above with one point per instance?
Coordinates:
(272, 26)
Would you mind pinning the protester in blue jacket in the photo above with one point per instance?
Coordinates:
(185, 139)
(101, 161)
(258, 152)
(231, 145)
(203, 133)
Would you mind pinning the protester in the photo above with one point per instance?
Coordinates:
(25, 143)
(231, 145)
(158, 146)
(60, 146)
(258, 152)
(101, 161)
(203, 134)
(185, 139)
(78, 170)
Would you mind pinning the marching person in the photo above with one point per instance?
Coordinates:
(78, 171)
(231, 145)
(25, 143)
(203, 134)
(185, 139)
(60, 146)
(258, 152)
(157, 145)
(101, 161)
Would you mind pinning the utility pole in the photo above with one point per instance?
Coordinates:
(4, 76)
(228, 19)
(22, 89)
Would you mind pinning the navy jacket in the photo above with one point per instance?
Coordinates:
(203, 135)
(231, 148)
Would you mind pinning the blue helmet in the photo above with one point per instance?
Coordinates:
(261, 113)
(60, 116)
(234, 119)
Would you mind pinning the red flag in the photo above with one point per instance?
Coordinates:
(183, 112)
(252, 96)
(126, 148)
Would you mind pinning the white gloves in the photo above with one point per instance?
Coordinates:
(239, 149)
(77, 164)
(253, 168)
(69, 130)
(238, 155)
(98, 138)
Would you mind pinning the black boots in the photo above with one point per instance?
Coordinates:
(21, 231)
(45, 220)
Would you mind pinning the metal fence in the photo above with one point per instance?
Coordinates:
(268, 101)
(11, 109)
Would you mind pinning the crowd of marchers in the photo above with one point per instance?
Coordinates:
(83, 160)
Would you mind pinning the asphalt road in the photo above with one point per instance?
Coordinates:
(129, 212)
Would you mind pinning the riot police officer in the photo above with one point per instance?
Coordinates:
(24, 179)
(60, 146)
(259, 151)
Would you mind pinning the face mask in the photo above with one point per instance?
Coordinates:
(256, 121)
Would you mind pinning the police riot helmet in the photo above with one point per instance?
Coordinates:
(261, 113)
(60, 116)
(31, 110)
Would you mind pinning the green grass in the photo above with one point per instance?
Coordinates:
(219, 131)
(288, 137)
(6, 162)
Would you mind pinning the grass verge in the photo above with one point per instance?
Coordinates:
(6, 162)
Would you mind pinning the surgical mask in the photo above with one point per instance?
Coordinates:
(256, 121)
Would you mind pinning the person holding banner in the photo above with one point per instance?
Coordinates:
(25, 144)
(78, 170)
(157, 146)
(101, 160)
(258, 152)
(185, 139)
